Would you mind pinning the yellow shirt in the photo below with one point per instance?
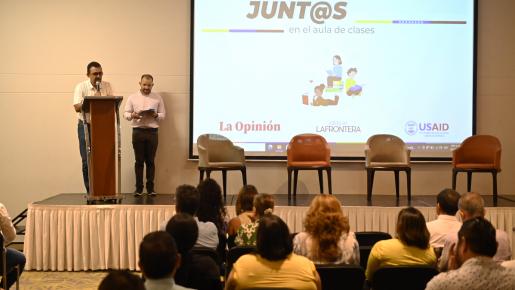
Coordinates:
(295, 272)
(394, 253)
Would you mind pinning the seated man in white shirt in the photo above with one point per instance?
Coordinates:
(446, 222)
(471, 263)
(187, 200)
(472, 205)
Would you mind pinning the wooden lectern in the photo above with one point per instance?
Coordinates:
(103, 140)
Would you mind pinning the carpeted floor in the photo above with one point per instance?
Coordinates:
(35, 280)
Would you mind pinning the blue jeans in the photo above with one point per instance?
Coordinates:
(83, 154)
(14, 258)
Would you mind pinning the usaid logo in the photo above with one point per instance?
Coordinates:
(410, 128)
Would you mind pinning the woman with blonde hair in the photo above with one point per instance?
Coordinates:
(327, 239)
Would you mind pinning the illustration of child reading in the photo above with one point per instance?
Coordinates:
(318, 99)
(351, 87)
(335, 74)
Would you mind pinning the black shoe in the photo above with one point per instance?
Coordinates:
(151, 193)
(138, 193)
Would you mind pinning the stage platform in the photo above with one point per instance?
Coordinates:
(63, 233)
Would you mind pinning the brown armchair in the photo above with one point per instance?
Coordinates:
(217, 153)
(308, 152)
(385, 152)
(478, 153)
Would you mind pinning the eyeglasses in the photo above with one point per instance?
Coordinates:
(97, 73)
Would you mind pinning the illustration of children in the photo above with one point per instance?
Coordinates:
(351, 87)
(319, 100)
(335, 74)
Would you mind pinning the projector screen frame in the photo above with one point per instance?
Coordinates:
(337, 159)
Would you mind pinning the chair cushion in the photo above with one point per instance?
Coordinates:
(309, 164)
(475, 165)
(225, 164)
(388, 164)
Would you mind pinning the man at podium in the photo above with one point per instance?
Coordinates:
(144, 109)
(94, 86)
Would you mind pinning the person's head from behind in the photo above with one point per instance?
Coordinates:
(475, 238)
(412, 229)
(146, 83)
(187, 199)
(211, 206)
(471, 205)
(94, 72)
(158, 256)
(184, 230)
(447, 202)
(245, 200)
(337, 60)
(319, 90)
(325, 223)
(263, 204)
(351, 73)
(123, 280)
(273, 239)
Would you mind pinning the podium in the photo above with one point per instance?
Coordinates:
(103, 143)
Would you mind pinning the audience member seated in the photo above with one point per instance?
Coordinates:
(212, 209)
(472, 205)
(196, 271)
(471, 264)
(121, 280)
(158, 261)
(13, 257)
(244, 212)
(446, 222)
(327, 239)
(187, 199)
(410, 248)
(274, 265)
(246, 234)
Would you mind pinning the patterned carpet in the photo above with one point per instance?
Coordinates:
(34, 280)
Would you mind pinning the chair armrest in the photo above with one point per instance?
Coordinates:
(497, 159)
(203, 157)
(456, 156)
(240, 154)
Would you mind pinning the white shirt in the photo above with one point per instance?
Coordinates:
(207, 234)
(503, 248)
(478, 273)
(163, 284)
(6, 226)
(439, 228)
(85, 88)
(138, 102)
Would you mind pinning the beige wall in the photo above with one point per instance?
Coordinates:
(45, 46)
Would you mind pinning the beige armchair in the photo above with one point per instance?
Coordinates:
(387, 153)
(217, 153)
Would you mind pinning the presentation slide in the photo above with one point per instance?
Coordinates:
(264, 71)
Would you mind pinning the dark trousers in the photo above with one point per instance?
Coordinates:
(13, 258)
(144, 142)
(83, 154)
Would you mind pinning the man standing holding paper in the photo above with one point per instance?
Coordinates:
(145, 109)
(94, 86)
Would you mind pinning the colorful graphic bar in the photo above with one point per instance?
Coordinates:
(244, 30)
(409, 22)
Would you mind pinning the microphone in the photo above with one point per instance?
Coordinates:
(97, 85)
